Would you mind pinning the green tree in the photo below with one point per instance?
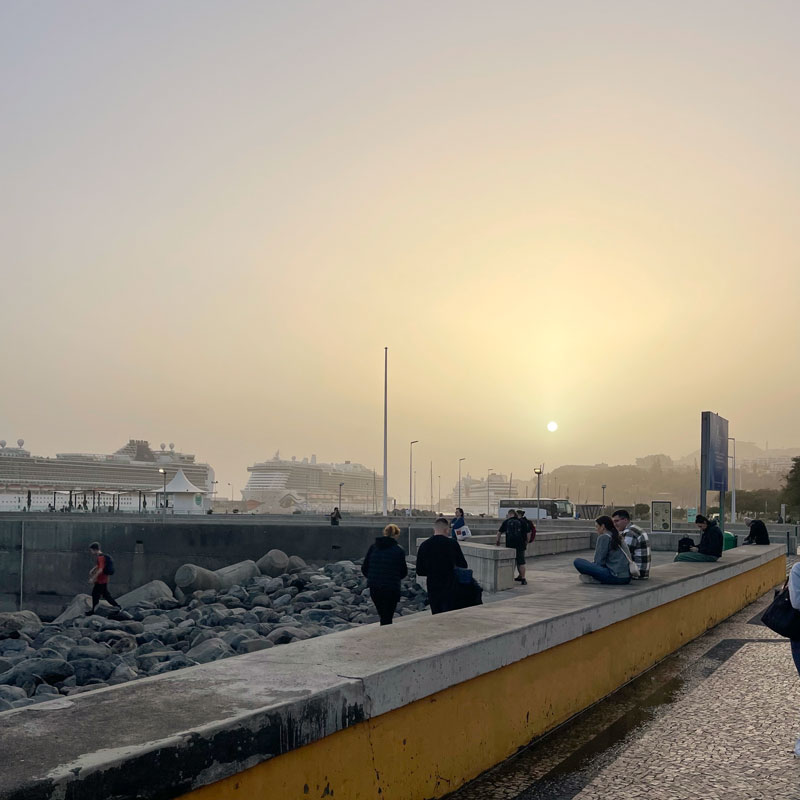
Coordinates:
(791, 485)
(641, 511)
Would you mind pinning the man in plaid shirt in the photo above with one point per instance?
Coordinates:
(637, 540)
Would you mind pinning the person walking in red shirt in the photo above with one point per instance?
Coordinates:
(98, 577)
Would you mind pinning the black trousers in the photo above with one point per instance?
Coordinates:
(100, 592)
(386, 601)
(440, 598)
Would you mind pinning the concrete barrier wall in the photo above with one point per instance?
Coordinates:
(372, 712)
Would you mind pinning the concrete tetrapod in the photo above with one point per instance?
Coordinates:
(237, 574)
(189, 578)
(149, 593)
(274, 563)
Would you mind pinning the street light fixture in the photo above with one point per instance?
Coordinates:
(164, 473)
(603, 487)
(411, 475)
(459, 480)
(340, 496)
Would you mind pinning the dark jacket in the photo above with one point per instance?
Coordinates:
(711, 541)
(385, 564)
(437, 557)
(758, 533)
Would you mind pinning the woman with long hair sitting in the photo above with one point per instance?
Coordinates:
(611, 564)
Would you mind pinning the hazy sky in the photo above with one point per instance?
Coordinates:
(216, 214)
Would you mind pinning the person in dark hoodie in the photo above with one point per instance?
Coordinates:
(710, 547)
(758, 532)
(384, 567)
(437, 558)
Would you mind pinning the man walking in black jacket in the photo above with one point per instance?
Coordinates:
(437, 559)
(384, 567)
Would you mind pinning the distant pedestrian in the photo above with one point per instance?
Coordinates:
(611, 564)
(517, 540)
(437, 558)
(710, 547)
(636, 540)
(758, 532)
(335, 516)
(98, 577)
(384, 568)
(457, 522)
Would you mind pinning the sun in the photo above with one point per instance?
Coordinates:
(552, 426)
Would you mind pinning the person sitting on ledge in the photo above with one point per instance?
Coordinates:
(710, 547)
(758, 532)
(611, 559)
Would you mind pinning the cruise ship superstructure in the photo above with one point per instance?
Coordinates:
(127, 479)
(281, 485)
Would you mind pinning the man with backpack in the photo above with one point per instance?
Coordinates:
(98, 577)
(516, 539)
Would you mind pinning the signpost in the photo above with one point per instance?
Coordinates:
(714, 461)
(661, 516)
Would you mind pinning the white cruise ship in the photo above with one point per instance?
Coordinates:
(280, 485)
(128, 480)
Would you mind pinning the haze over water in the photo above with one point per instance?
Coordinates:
(216, 215)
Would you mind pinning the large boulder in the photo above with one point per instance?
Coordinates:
(36, 670)
(296, 564)
(237, 574)
(149, 593)
(19, 622)
(274, 563)
(189, 578)
(210, 650)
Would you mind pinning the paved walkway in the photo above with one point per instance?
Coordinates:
(717, 720)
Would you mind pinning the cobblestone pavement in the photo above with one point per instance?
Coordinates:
(717, 720)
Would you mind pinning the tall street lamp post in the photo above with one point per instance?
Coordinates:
(411, 476)
(164, 474)
(538, 473)
(603, 487)
(385, 422)
(733, 494)
(340, 497)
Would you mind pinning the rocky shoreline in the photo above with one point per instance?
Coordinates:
(274, 601)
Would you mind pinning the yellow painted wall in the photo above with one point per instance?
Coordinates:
(411, 753)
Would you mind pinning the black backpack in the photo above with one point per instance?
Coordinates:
(515, 536)
(108, 569)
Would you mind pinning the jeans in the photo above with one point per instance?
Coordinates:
(796, 653)
(602, 574)
(386, 601)
(440, 598)
(100, 592)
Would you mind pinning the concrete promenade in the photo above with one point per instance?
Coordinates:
(717, 720)
(368, 709)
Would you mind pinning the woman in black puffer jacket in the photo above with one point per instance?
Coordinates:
(384, 567)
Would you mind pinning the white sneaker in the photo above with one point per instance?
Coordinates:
(797, 749)
(589, 579)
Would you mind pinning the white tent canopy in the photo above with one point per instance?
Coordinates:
(180, 484)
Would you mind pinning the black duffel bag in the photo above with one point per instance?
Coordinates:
(782, 617)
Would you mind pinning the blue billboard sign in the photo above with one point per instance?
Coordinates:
(714, 452)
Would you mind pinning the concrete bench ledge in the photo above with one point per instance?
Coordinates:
(161, 737)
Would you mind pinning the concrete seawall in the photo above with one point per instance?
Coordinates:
(44, 557)
(363, 713)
